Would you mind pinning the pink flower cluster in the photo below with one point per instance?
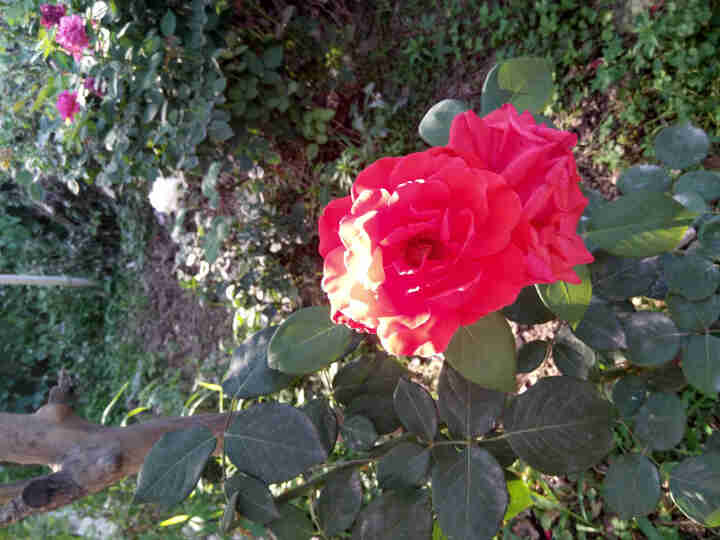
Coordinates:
(51, 14)
(71, 35)
(67, 105)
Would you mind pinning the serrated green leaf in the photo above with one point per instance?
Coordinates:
(529, 81)
(628, 394)
(416, 409)
(324, 419)
(572, 357)
(644, 177)
(704, 183)
(695, 488)
(249, 375)
(618, 278)
(406, 465)
(566, 300)
(293, 524)
(358, 432)
(340, 501)
(308, 341)
(600, 327)
(652, 338)
(640, 224)
(560, 425)
(694, 316)
(660, 422)
(400, 515)
(690, 275)
(434, 128)
(681, 145)
(273, 442)
(531, 355)
(484, 353)
(528, 308)
(632, 486)
(254, 500)
(468, 409)
(469, 495)
(174, 465)
(701, 363)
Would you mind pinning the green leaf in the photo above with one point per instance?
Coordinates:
(701, 363)
(644, 177)
(632, 486)
(209, 184)
(652, 338)
(529, 80)
(618, 278)
(406, 465)
(667, 378)
(273, 442)
(358, 432)
(43, 94)
(690, 275)
(249, 375)
(692, 201)
(293, 524)
(532, 354)
(416, 409)
(704, 183)
(212, 242)
(528, 308)
(572, 356)
(468, 409)
(400, 515)
(469, 494)
(500, 449)
(324, 419)
(168, 23)
(308, 341)
(366, 387)
(640, 224)
(600, 327)
(434, 128)
(174, 465)
(484, 353)
(272, 57)
(340, 501)
(220, 130)
(694, 316)
(660, 422)
(520, 498)
(560, 425)
(695, 488)
(681, 145)
(254, 500)
(628, 394)
(713, 442)
(493, 96)
(568, 301)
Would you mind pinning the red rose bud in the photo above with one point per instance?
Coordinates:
(435, 240)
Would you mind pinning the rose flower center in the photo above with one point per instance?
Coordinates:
(419, 249)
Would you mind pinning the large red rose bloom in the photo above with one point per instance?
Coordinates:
(434, 240)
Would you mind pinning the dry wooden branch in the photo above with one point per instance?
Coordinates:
(85, 458)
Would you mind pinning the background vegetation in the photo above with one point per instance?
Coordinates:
(268, 110)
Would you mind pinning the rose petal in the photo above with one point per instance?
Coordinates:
(329, 224)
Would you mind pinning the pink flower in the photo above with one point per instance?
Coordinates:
(67, 105)
(93, 86)
(51, 14)
(71, 35)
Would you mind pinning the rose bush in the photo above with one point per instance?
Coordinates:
(434, 240)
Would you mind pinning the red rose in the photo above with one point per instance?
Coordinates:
(434, 240)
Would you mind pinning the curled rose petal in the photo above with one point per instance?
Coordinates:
(438, 239)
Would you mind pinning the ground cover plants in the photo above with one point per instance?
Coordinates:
(249, 127)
